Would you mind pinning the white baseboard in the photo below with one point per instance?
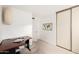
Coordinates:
(47, 42)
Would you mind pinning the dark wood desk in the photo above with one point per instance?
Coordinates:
(9, 44)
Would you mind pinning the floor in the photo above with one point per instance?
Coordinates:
(41, 47)
(45, 48)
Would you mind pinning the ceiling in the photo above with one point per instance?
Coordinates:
(43, 11)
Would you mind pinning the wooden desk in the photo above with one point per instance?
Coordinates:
(8, 44)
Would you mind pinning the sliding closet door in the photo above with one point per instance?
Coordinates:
(75, 29)
(63, 29)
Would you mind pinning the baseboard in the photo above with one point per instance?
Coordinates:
(63, 48)
(46, 42)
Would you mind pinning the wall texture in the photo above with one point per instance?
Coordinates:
(21, 24)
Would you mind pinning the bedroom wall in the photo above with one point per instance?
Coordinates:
(21, 24)
(44, 13)
(36, 29)
(49, 36)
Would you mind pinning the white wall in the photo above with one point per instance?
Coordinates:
(21, 25)
(36, 29)
(44, 13)
(48, 36)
